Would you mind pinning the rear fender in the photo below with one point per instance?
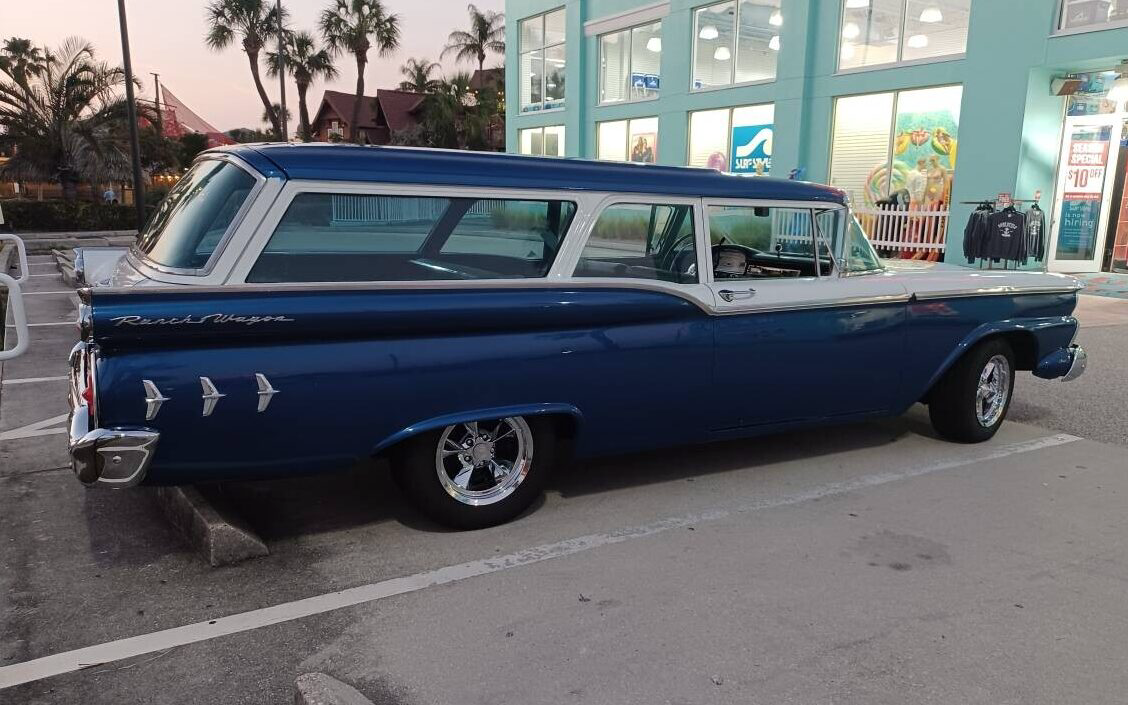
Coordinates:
(479, 415)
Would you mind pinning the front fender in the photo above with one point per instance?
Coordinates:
(445, 420)
(1048, 333)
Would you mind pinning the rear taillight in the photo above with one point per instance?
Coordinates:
(88, 383)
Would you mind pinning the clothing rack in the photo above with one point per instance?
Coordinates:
(991, 203)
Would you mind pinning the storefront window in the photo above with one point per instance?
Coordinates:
(542, 61)
(735, 42)
(1079, 14)
(876, 32)
(901, 145)
(738, 140)
(542, 141)
(628, 140)
(630, 64)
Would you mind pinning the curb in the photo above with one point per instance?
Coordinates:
(221, 537)
(322, 689)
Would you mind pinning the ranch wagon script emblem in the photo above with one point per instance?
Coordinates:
(198, 320)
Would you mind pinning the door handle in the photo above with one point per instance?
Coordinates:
(730, 295)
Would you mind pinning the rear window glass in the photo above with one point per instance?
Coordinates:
(191, 221)
(327, 237)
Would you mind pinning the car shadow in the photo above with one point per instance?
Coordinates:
(366, 495)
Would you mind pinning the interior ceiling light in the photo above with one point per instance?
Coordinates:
(851, 30)
(917, 41)
(654, 44)
(722, 54)
(931, 15)
(774, 43)
(709, 32)
(857, 4)
(1119, 91)
(776, 20)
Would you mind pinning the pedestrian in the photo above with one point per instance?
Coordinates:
(109, 196)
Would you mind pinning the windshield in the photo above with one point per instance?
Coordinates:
(192, 220)
(860, 255)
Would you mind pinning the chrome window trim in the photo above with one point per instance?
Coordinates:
(1002, 290)
(139, 259)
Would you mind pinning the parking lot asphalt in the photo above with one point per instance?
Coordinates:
(870, 563)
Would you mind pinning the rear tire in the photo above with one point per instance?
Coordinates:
(971, 400)
(476, 474)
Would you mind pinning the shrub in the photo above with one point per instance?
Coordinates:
(57, 216)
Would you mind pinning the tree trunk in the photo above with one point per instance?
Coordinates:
(303, 113)
(481, 63)
(354, 129)
(252, 56)
(70, 189)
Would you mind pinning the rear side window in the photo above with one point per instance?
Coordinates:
(325, 237)
(642, 241)
(192, 220)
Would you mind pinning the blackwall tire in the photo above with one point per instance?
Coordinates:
(477, 474)
(971, 401)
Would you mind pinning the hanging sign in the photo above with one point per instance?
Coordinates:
(752, 149)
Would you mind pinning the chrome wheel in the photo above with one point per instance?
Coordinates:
(993, 391)
(483, 462)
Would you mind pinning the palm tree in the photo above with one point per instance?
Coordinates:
(355, 26)
(64, 112)
(20, 60)
(253, 22)
(487, 33)
(269, 116)
(307, 63)
(417, 76)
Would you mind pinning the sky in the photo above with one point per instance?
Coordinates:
(167, 36)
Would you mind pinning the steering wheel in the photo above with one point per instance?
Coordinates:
(675, 257)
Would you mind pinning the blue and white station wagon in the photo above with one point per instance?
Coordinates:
(295, 309)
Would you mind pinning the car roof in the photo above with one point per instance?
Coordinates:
(447, 167)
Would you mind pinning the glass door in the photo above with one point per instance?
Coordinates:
(1081, 203)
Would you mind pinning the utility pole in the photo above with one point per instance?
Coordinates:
(157, 100)
(282, 121)
(131, 111)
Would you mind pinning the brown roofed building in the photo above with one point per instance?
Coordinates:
(380, 116)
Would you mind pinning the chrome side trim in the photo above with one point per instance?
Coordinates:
(265, 391)
(113, 458)
(883, 300)
(1005, 290)
(211, 396)
(153, 399)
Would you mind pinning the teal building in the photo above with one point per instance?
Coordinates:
(935, 105)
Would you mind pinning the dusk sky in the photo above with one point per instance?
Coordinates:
(167, 36)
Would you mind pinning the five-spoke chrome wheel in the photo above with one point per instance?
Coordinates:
(994, 390)
(483, 462)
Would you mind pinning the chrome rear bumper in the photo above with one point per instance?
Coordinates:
(1077, 367)
(103, 457)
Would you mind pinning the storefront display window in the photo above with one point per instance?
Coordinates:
(876, 32)
(542, 61)
(630, 64)
(735, 42)
(737, 140)
(542, 141)
(1095, 14)
(628, 140)
(897, 144)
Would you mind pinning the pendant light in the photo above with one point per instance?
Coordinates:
(931, 15)
(776, 20)
(851, 30)
(774, 43)
(857, 4)
(709, 32)
(722, 54)
(654, 44)
(917, 41)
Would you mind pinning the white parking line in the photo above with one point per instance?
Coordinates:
(52, 274)
(40, 325)
(48, 293)
(93, 656)
(33, 430)
(34, 380)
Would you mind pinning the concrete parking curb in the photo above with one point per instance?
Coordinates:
(321, 689)
(219, 535)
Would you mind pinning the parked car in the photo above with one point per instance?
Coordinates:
(295, 309)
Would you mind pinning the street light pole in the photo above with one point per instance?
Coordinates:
(282, 121)
(131, 112)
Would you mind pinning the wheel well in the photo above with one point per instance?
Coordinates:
(1023, 343)
(564, 426)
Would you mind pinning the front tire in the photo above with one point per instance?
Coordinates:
(476, 474)
(972, 398)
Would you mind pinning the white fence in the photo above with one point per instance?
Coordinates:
(911, 232)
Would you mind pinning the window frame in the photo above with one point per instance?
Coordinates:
(266, 227)
(138, 257)
(1059, 18)
(900, 62)
(734, 51)
(522, 108)
(728, 138)
(813, 208)
(629, 31)
(541, 129)
(628, 120)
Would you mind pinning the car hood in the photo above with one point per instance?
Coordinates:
(938, 278)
